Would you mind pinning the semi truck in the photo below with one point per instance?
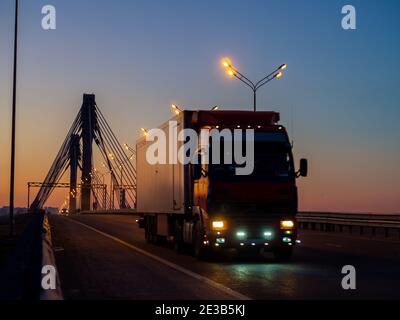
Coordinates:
(205, 205)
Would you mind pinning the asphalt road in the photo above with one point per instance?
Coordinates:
(106, 257)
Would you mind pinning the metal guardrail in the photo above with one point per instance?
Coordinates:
(331, 221)
(111, 212)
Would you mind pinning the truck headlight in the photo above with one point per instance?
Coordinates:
(218, 225)
(287, 224)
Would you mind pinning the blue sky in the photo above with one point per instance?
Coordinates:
(138, 57)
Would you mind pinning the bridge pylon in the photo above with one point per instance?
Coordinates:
(89, 123)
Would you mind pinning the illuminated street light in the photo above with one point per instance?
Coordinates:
(233, 72)
(145, 131)
(176, 109)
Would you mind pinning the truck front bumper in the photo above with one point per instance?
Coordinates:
(268, 240)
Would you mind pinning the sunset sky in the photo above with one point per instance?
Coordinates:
(138, 57)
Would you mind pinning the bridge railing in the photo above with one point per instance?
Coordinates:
(111, 212)
(332, 222)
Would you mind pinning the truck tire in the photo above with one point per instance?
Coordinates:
(283, 254)
(201, 252)
(149, 232)
(160, 240)
(179, 245)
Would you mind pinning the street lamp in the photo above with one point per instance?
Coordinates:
(176, 109)
(145, 131)
(14, 109)
(122, 163)
(131, 150)
(234, 72)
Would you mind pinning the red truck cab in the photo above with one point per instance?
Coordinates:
(249, 212)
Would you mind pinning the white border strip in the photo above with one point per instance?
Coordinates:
(226, 290)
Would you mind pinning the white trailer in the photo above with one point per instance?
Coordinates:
(161, 186)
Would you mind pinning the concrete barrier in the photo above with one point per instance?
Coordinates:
(48, 259)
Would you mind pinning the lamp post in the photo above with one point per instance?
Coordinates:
(121, 168)
(97, 174)
(12, 171)
(111, 185)
(178, 110)
(234, 72)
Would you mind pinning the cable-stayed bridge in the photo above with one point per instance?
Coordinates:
(89, 129)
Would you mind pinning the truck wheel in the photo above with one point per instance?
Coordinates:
(179, 245)
(201, 252)
(150, 235)
(147, 234)
(160, 240)
(283, 254)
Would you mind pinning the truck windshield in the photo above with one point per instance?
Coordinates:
(272, 160)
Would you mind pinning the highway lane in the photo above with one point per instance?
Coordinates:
(93, 265)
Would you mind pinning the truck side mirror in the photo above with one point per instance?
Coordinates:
(303, 172)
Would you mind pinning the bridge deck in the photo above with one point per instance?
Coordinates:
(98, 263)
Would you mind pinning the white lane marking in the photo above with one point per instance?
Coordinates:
(210, 282)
